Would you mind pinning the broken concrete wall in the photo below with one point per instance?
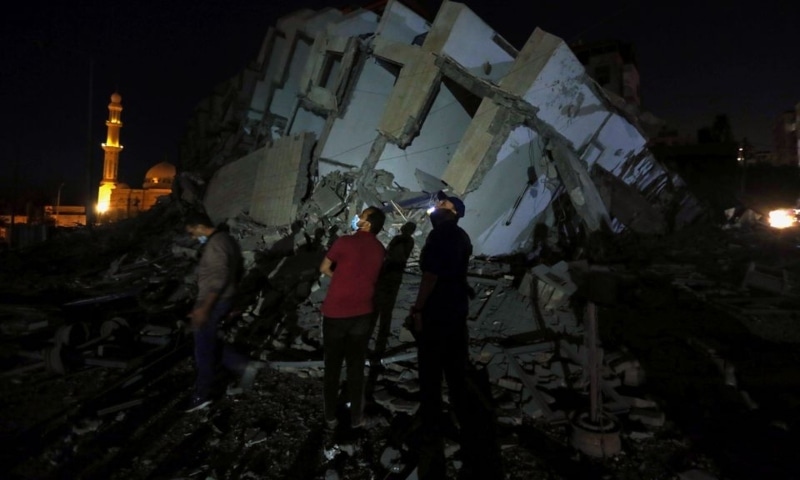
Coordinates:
(230, 190)
(282, 180)
(403, 107)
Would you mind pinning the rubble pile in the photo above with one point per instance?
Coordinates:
(594, 277)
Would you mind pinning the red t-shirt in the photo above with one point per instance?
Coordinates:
(358, 259)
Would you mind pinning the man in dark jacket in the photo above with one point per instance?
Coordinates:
(440, 312)
(218, 273)
(440, 321)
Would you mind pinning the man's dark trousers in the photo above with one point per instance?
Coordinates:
(345, 340)
(209, 350)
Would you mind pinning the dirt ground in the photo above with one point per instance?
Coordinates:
(78, 425)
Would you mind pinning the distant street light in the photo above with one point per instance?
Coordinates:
(58, 202)
(741, 159)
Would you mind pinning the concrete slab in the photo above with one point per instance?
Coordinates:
(230, 190)
(282, 180)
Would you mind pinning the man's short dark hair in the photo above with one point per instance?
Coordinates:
(198, 218)
(376, 219)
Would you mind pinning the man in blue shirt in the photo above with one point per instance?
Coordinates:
(440, 320)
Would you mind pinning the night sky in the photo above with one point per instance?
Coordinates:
(696, 59)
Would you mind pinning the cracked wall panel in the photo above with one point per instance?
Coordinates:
(394, 52)
(259, 102)
(284, 98)
(627, 204)
(349, 140)
(307, 121)
(619, 141)
(431, 151)
(491, 205)
(334, 40)
(349, 69)
(321, 20)
(282, 180)
(410, 99)
(315, 64)
(549, 76)
(230, 189)
(581, 189)
(400, 24)
(474, 45)
(288, 28)
(357, 23)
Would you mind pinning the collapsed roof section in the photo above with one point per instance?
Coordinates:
(341, 110)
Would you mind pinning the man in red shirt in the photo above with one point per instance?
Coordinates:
(354, 264)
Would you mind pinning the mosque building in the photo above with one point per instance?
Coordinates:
(116, 200)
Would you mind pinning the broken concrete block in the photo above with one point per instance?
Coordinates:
(231, 188)
(282, 180)
(760, 277)
(650, 417)
(554, 286)
(512, 384)
(532, 408)
(696, 474)
(389, 457)
(635, 376)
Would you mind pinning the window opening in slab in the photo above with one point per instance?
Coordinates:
(468, 100)
(331, 69)
(390, 67)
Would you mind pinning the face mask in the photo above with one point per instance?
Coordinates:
(354, 222)
(202, 239)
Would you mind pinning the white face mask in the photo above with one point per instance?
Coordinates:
(354, 222)
(202, 239)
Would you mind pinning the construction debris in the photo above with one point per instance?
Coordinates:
(566, 209)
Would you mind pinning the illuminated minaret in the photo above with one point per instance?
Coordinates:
(111, 157)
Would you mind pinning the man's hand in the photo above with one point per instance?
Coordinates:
(199, 317)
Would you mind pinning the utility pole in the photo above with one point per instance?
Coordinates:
(741, 159)
(58, 201)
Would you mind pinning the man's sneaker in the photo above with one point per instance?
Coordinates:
(197, 403)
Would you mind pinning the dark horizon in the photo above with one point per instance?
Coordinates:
(696, 60)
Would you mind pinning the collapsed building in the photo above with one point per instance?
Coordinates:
(341, 110)
(345, 109)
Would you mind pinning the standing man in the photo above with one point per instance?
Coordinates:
(397, 254)
(440, 312)
(218, 273)
(440, 320)
(353, 263)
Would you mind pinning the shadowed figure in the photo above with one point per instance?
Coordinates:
(388, 287)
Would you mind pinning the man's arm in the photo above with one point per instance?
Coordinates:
(425, 288)
(216, 263)
(202, 310)
(325, 267)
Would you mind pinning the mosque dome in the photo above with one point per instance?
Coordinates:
(160, 175)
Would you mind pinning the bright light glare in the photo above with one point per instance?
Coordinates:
(783, 218)
(430, 210)
(102, 207)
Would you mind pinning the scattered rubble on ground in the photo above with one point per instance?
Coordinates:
(568, 212)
